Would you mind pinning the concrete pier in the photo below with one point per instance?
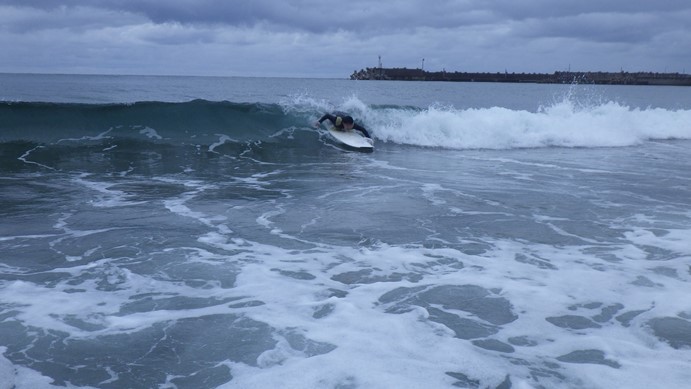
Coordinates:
(620, 78)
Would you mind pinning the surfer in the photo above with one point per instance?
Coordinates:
(343, 123)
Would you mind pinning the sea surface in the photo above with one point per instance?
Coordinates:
(199, 232)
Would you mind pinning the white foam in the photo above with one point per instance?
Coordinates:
(150, 133)
(19, 377)
(178, 205)
(101, 136)
(563, 124)
(676, 240)
(373, 348)
(108, 197)
(368, 340)
(222, 139)
(24, 159)
(377, 349)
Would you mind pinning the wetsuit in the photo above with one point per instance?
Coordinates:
(337, 122)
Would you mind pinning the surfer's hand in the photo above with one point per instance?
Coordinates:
(316, 124)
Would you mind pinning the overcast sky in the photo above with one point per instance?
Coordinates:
(325, 38)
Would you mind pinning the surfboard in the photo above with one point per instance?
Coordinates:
(352, 138)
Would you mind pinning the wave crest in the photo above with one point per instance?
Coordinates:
(562, 124)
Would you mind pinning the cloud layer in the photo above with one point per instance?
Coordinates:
(311, 38)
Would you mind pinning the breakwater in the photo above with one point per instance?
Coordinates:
(566, 77)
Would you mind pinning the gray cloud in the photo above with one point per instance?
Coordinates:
(595, 27)
(306, 15)
(245, 37)
(365, 16)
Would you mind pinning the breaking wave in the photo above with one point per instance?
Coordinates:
(202, 122)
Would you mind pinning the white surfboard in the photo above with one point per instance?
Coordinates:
(352, 138)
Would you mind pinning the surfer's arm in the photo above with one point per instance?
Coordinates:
(362, 130)
(331, 118)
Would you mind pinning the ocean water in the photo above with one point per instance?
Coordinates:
(192, 232)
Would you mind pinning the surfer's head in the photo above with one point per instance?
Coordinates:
(348, 122)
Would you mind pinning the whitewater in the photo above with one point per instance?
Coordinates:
(199, 232)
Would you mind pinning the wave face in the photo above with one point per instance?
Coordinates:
(55, 122)
(48, 130)
(563, 124)
(69, 136)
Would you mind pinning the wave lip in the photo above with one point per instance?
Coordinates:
(560, 125)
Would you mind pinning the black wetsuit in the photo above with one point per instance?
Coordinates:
(334, 119)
